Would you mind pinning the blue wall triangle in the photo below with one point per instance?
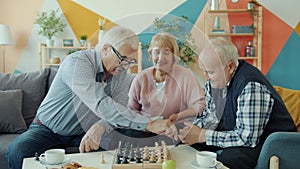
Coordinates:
(190, 8)
(284, 72)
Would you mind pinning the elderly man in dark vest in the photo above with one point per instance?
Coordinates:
(243, 108)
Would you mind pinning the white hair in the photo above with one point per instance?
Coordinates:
(117, 37)
(225, 48)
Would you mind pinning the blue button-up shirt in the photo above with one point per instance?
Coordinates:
(75, 100)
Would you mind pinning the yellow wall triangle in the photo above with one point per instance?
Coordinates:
(297, 29)
(82, 21)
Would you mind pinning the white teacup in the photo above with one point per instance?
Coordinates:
(54, 156)
(206, 158)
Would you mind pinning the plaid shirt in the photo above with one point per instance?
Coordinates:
(254, 106)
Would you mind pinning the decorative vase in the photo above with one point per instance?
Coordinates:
(100, 35)
(217, 22)
(250, 6)
(50, 42)
(82, 42)
(214, 5)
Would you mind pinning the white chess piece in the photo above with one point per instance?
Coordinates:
(102, 159)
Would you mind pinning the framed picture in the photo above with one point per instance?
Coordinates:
(67, 43)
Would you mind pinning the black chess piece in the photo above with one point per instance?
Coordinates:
(138, 155)
(125, 158)
(36, 156)
(131, 154)
(119, 153)
(118, 159)
(125, 155)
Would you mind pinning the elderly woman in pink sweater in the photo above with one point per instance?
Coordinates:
(167, 89)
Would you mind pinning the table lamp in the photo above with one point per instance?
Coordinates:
(5, 39)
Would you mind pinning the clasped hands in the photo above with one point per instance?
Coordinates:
(166, 127)
(189, 134)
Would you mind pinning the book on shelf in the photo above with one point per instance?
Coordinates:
(217, 31)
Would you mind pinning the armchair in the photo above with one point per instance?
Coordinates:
(281, 149)
(282, 145)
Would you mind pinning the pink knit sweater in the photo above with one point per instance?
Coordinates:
(181, 91)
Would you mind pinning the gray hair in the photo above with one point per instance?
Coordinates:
(117, 37)
(225, 48)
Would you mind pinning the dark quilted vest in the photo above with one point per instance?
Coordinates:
(280, 119)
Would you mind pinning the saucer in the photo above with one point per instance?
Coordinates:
(195, 165)
(47, 165)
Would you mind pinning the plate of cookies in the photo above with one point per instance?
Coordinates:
(75, 165)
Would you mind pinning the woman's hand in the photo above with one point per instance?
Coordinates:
(174, 117)
(159, 126)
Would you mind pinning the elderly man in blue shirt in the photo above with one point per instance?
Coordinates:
(90, 88)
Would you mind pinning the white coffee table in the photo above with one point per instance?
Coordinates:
(182, 154)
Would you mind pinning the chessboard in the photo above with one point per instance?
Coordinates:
(128, 157)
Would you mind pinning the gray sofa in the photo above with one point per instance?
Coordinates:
(20, 97)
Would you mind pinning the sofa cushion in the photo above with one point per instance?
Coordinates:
(291, 99)
(33, 85)
(11, 118)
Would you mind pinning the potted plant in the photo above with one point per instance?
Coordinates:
(83, 40)
(186, 42)
(51, 23)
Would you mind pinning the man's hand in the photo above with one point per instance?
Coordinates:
(191, 134)
(172, 132)
(92, 138)
(159, 126)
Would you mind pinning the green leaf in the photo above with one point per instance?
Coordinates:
(51, 23)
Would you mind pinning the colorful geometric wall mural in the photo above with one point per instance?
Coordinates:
(279, 40)
(281, 28)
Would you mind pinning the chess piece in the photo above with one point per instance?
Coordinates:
(165, 150)
(118, 160)
(157, 148)
(167, 155)
(131, 154)
(156, 145)
(36, 156)
(138, 155)
(159, 157)
(119, 153)
(125, 155)
(163, 143)
(146, 154)
(152, 158)
(102, 159)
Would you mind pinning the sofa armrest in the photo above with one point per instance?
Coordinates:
(284, 145)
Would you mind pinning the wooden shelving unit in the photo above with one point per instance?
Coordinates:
(257, 35)
(45, 54)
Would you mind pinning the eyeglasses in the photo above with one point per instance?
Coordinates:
(123, 61)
